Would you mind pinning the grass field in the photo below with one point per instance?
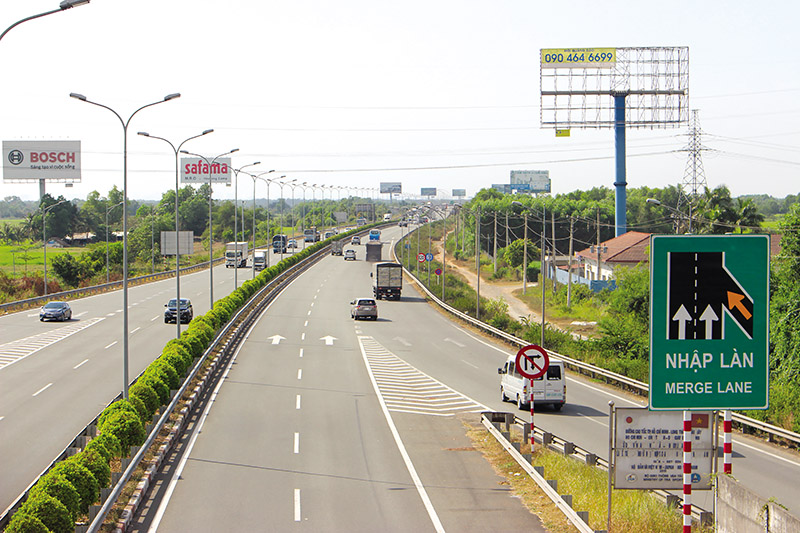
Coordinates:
(19, 258)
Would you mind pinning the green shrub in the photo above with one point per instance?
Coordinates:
(166, 372)
(126, 426)
(147, 395)
(192, 342)
(96, 463)
(138, 404)
(119, 405)
(25, 523)
(52, 513)
(173, 359)
(82, 479)
(110, 443)
(61, 489)
(158, 385)
(181, 350)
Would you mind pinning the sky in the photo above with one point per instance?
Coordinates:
(440, 93)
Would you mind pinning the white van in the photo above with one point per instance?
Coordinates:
(548, 389)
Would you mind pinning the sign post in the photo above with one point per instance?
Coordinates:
(532, 362)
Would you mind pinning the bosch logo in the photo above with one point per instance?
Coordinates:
(15, 157)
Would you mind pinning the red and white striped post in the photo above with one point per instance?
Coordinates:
(727, 445)
(687, 472)
(531, 416)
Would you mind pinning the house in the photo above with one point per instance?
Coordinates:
(629, 249)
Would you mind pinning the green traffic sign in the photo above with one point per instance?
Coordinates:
(709, 322)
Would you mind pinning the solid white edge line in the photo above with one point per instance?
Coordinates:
(437, 524)
(297, 515)
(162, 508)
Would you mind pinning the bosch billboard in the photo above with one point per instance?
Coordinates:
(36, 160)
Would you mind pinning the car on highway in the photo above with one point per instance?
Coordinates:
(60, 311)
(364, 308)
(292, 243)
(349, 254)
(355, 239)
(187, 313)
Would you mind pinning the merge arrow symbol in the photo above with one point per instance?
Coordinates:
(709, 317)
(735, 302)
(682, 316)
(276, 339)
(328, 340)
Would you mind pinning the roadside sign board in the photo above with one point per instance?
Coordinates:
(648, 449)
(429, 257)
(421, 257)
(709, 322)
(438, 271)
(532, 361)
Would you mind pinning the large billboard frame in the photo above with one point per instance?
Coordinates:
(39, 160)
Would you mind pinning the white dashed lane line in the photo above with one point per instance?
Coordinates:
(37, 393)
(80, 364)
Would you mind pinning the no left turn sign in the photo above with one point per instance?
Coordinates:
(532, 361)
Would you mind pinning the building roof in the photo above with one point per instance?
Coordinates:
(630, 248)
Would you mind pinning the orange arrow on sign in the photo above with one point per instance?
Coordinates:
(735, 301)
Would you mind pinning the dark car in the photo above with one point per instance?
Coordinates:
(55, 311)
(186, 311)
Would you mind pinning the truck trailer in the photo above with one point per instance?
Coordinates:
(236, 254)
(387, 280)
(259, 260)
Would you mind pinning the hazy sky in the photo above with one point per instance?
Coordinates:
(440, 93)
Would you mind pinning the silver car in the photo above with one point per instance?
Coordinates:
(364, 308)
(349, 255)
(60, 311)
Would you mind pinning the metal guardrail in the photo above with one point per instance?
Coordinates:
(772, 433)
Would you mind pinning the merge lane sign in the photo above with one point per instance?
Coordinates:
(709, 322)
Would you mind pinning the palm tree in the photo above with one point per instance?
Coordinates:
(747, 215)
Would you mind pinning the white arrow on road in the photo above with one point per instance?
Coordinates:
(328, 340)
(709, 317)
(682, 316)
(402, 341)
(455, 342)
(276, 339)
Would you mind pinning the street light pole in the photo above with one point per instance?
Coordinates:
(255, 177)
(125, 124)
(177, 223)
(63, 6)
(235, 222)
(44, 238)
(108, 279)
(210, 222)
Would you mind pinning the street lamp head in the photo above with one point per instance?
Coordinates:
(172, 96)
(207, 132)
(66, 4)
(653, 201)
(77, 96)
(186, 152)
(144, 134)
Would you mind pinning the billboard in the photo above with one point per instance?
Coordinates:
(504, 188)
(460, 192)
(428, 191)
(37, 160)
(185, 241)
(196, 170)
(530, 180)
(391, 187)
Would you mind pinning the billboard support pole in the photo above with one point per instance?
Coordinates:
(611, 430)
(620, 197)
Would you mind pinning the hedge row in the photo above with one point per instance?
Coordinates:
(65, 493)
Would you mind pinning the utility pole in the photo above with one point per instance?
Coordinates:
(478, 262)
(494, 250)
(597, 274)
(525, 253)
(553, 248)
(544, 229)
(569, 267)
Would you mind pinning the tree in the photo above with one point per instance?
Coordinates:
(514, 253)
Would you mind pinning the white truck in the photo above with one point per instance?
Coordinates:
(259, 260)
(236, 254)
(337, 247)
(387, 281)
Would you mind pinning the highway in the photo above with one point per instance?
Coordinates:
(55, 377)
(301, 432)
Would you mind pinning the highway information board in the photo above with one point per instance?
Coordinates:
(709, 322)
(648, 449)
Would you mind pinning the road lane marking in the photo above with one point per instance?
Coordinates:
(301, 352)
(455, 342)
(297, 403)
(306, 324)
(309, 312)
(299, 373)
(297, 515)
(13, 351)
(80, 364)
(154, 318)
(37, 393)
(135, 330)
(423, 494)
(111, 314)
(470, 364)
(80, 314)
(589, 418)
(296, 442)
(303, 337)
(110, 345)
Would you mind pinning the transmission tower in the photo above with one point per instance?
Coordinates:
(694, 177)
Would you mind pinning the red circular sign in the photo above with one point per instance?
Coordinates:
(532, 361)
(421, 257)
